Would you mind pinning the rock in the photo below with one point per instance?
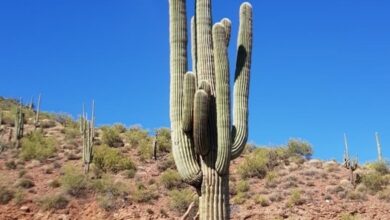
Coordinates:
(25, 208)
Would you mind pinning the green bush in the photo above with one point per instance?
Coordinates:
(254, 164)
(6, 195)
(263, 201)
(299, 147)
(71, 133)
(25, 183)
(141, 194)
(381, 167)
(240, 198)
(374, 181)
(181, 199)
(111, 137)
(73, 181)
(54, 202)
(164, 140)
(242, 186)
(295, 198)
(119, 128)
(170, 178)
(110, 159)
(145, 149)
(36, 146)
(271, 179)
(135, 135)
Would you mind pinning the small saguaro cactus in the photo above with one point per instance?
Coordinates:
(350, 163)
(88, 134)
(204, 138)
(155, 146)
(19, 125)
(36, 120)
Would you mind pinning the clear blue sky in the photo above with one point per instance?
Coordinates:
(320, 68)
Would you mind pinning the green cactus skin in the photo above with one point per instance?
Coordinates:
(206, 136)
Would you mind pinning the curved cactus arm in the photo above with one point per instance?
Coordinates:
(189, 92)
(183, 147)
(201, 117)
(228, 28)
(205, 60)
(222, 98)
(241, 82)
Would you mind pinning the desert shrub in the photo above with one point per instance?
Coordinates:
(164, 139)
(348, 216)
(54, 202)
(271, 179)
(170, 178)
(275, 197)
(46, 123)
(142, 194)
(66, 120)
(19, 196)
(11, 165)
(73, 181)
(299, 147)
(120, 128)
(240, 198)
(109, 192)
(130, 173)
(36, 146)
(109, 159)
(25, 183)
(6, 195)
(254, 164)
(356, 195)
(384, 194)
(135, 135)
(374, 181)
(181, 199)
(71, 133)
(263, 201)
(242, 186)
(295, 198)
(54, 184)
(145, 150)
(111, 137)
(167, 163)
(381, 167)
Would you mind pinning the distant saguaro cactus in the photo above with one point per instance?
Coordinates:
(19, 125)
(88, 133)
(204, 138)
(36, 120)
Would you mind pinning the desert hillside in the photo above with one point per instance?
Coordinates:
(42, 177)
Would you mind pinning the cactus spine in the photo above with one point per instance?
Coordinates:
(203, 136)
(19, 125)
(88, 133)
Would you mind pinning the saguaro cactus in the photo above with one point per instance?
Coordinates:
(378, 146)
(19, 125)
(36, 120)
(204, 139)
(88, 133)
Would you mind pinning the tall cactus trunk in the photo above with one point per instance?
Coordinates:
(214, 199)
(204, 138)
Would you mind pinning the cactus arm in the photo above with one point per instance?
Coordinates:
(193, 48)
(205, 60)
(201, 128)
(222, 98)
(228, 28)
(183, 147)
(241, 82)
(189, 92)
